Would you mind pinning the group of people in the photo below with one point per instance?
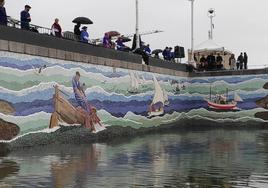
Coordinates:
(210, 62)
(81, 34)
(168, 54)
(240, 63)
(25, 20)
(214, 63)
(118, 44)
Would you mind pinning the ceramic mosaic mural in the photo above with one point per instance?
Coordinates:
(123, 97)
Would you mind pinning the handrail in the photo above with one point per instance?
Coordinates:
(35, 28)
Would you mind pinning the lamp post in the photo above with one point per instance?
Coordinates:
(211, 15)
(192, 30)
(137, 25)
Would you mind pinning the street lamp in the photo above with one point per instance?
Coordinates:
(192, 30)
(211, 15)
(137, 25)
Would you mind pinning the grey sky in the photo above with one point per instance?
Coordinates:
(240, 25)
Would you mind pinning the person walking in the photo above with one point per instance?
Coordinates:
(3, 14)
(84, 37)
(241, 61)
(56, 29)
(232, 62)
(25, 17)
(245, 60)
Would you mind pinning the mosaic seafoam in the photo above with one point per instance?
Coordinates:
(30, 92)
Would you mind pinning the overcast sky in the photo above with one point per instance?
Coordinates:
(240, 25)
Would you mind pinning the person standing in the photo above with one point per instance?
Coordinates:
(3, 14)
(241, 61)
(245, 60)
(219, 61)
(232, 62)
(84, 37)
(106, 41)
(147, 49)
(56, 29)
(211, 60)
(77, 31)
(203, 63)
(25, 18)
(165, 53)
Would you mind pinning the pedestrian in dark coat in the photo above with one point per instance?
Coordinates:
(245, 60)
(3, 14)
(211, 60)
(241, 61)
(165, 53)
(77, 31)
(25, 18)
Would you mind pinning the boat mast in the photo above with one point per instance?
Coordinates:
(210, 93)
(227, 93)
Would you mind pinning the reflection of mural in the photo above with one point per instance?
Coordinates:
(112, 92)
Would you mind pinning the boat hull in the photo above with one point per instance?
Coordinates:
(156, 113)
(230, 106)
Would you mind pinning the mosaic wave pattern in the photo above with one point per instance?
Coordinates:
(31, 93)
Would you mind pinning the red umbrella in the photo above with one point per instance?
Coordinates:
(113, 33)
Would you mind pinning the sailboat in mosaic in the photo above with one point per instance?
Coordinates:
(159, 101)
(134, 84)
(222, 102)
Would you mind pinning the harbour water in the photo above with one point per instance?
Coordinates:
(214, 158)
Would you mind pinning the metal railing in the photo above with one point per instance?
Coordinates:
(34, 28)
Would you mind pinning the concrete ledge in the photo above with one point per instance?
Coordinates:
(16, 47)
(41, 51)
(60, 54)
(4, 45)
(29, 49)
(229, 73)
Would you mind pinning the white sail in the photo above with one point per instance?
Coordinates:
(138, 78)
(237, 98)
(165, 97)
(159, 94)
(134, 81)
(143, 80)
(114, 70)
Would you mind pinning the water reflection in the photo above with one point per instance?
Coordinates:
(194, 159)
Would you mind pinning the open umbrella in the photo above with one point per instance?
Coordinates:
(157, 51)
(82, 20)
(113, 33)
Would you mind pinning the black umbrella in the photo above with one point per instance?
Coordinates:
(125, 39)
(82, 20)
(157, 51)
